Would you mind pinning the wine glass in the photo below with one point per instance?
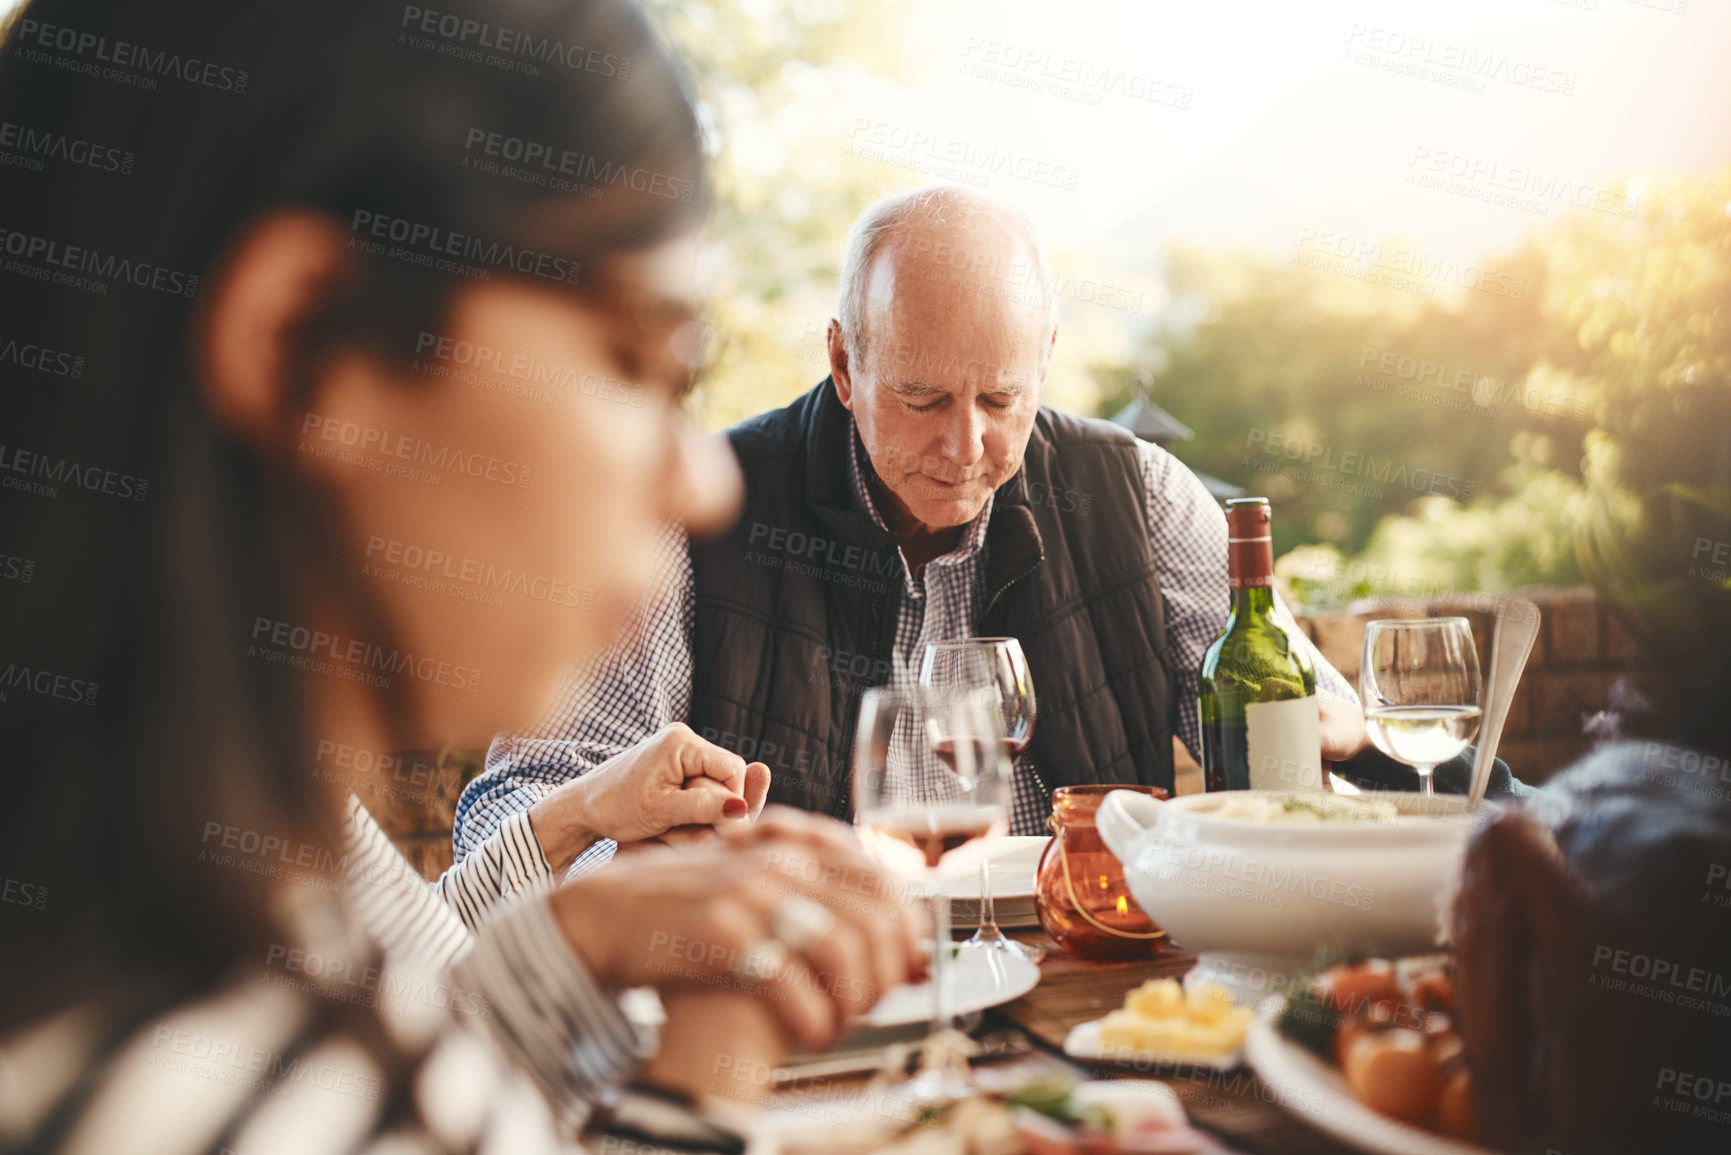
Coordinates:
(998, 666)
(931, 781)
(1420, 685)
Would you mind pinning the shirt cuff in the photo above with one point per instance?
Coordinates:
(523, 864)
(561, 1024)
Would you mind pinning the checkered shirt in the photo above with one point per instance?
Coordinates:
(643, 681)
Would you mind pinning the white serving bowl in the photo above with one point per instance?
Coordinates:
(1258, 901)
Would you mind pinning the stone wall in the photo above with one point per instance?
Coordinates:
(1579, 653)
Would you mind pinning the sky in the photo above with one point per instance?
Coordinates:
(1457, 125)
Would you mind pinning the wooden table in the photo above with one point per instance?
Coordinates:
(1233, 1105)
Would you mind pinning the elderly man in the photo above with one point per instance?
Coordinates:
(920, 493)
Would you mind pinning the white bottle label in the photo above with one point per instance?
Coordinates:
(1285, 741)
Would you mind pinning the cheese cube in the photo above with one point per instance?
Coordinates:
(1208, 1002)
(1156, 998)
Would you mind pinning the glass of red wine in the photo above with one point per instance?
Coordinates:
(931, 781)
(997, 667)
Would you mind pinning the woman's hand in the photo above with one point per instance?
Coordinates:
(647, 791)
(718, 1044)
(695, 920)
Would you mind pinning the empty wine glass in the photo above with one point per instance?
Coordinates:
(1421, 690)
(931, 781)
(998, 666)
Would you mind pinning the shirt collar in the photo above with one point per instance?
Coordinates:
(973, 537)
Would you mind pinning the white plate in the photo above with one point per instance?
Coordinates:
(978, 979)
(1083, 1042)
(1317, 1093)
(1015, 862)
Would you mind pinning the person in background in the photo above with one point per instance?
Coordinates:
(1592, 922)
(374, 432)
(921, 493)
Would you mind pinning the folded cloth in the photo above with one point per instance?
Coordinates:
(1374, 770)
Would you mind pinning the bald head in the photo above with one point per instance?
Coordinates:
(941, 348)
(965, 250)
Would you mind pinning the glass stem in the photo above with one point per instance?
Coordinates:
(1424, 784)
(988, 915)
(940, 960)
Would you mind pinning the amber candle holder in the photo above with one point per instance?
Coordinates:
(1083, 901)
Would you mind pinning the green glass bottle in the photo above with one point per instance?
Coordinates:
(1260, 726)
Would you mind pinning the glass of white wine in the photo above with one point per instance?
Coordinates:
(1422, 695)
(931, 782)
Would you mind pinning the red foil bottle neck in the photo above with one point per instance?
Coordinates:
(1250, 546)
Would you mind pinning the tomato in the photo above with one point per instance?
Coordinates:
(1434, 991)
(1393, 1072)
(1353, 989)
(1455, 1113)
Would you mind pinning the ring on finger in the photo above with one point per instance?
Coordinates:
(761, 961)
(799, 921)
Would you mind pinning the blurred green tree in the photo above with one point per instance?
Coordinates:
(773, 79)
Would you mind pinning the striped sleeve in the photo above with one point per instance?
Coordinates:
(391, 899)
(565, 1029)
(506, 866)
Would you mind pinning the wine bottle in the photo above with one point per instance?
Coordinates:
(1260, 725)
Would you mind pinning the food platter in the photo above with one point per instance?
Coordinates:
(1083, 1042)
(1315, 1092)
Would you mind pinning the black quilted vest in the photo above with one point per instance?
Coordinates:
(795, 606)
